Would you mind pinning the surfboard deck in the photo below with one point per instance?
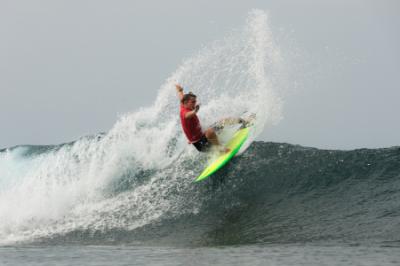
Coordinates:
(234, 145)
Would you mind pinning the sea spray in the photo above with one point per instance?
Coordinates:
(142, 170)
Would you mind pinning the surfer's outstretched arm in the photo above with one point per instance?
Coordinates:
(179, 90)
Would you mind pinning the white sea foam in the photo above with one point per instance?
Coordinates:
(139, 171)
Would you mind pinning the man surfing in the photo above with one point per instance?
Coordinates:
(203, 141)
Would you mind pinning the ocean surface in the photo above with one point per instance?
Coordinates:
(127, 196)
(277, 203)
(237, 255)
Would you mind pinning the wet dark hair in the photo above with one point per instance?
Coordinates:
(186, 97)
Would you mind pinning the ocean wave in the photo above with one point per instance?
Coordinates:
(273, 193)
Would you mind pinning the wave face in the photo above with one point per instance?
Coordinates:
(272, 193)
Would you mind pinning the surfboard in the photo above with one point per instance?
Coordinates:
(234, 145)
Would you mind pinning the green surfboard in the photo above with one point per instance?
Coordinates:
(234, 144)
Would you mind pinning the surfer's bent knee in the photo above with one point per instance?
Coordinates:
(210, 132)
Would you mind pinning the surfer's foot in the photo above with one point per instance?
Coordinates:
(251, 117)
(223, 149)
(246, 122)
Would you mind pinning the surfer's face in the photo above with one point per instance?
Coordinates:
(191, 103)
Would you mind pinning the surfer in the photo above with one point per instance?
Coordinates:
(203, 141)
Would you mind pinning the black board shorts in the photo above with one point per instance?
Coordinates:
(203, 145)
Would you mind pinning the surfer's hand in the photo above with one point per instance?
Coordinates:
(196, 109)
(178, 87)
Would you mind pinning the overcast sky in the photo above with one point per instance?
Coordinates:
(68, 68)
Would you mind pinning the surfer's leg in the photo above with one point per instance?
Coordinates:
(212, 136)
(219, 125)
(229, 121)
(245, 122)
(213, 139)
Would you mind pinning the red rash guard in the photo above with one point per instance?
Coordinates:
(191, 126)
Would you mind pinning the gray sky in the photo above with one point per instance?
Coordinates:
(67, 68)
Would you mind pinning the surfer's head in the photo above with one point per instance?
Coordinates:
(189, 100)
